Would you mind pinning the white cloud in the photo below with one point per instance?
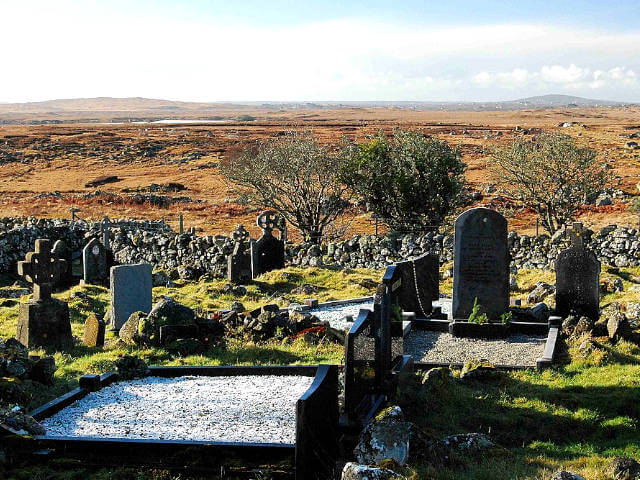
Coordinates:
(74, 50)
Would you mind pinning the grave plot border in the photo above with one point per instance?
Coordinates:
(547, 359)
(311, 455)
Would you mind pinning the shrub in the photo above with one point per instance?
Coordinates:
(550, 174)
(294, 175)
(413, 181)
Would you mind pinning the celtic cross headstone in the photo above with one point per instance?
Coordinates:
(267, 253)
(239, 262)
(43, 321)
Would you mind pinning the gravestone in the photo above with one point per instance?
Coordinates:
(480, 264)
(94, 263)
(577, 278)
(94, 329)
(60, 250)
(239, 262)
(267, 253)
(43, 321)
(130, 292)
(420, 284)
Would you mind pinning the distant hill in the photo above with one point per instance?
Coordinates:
(138, 109)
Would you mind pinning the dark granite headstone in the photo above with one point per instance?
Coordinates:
(267, 253)
(94, 329)
(43, 321)
(420, 284)
(577, 279)
(131, 291)
(94, 263)
(481, 264)
(239, 262)
(61, 250)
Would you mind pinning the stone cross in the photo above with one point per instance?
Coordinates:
(42, 269)
(240, 235)
(106, 228)
(576, 233)
(267, 221)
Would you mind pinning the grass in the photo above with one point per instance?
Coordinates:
(574, 416)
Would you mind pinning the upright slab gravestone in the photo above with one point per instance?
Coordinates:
(577, 278)
(130, 292)
(420, 284)
(94, 263)
(94, 329)
(43, 321)
(480, 264)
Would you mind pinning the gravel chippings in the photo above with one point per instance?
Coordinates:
(256, 409)
(440, 347)
(336, 315)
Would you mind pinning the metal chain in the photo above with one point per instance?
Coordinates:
(415, 282)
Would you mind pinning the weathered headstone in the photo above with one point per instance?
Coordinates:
(94, 263)
(267, 253)
(131, 289)
(43, 321)
(239, 262)
(577, 278)
(94, 329)
(420, 284)
(480, 264)
(60, 250)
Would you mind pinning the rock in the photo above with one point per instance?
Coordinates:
(129, 331)
(305, 290)
(368, 283)
(22, 423)
(603, 201)
(165, 312)
(478, 370)
(513, 282)
(633, 314)
(12, 392)
(564, 475)
(624, 468)
(129, 367)
(436, 378)
(385, 437)
(540, 312)
(471, 443)
(161, 279)
(237, 306)
(540, 292)
(43, 370)
(584, 326)
(618, 327)
(354, 471)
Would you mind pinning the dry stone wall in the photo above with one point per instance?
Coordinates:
(192, 256)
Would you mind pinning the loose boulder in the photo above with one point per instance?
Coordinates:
(386, 437)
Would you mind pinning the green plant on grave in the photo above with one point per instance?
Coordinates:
(506, 318)
(396, 313)
(475, 316)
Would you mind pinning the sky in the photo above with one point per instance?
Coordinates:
(304, 50)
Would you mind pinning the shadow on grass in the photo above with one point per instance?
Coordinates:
(517, 413)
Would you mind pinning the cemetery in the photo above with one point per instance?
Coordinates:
(303, 372)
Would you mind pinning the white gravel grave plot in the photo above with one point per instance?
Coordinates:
(256, 409)
(441, 347)
(335, 315)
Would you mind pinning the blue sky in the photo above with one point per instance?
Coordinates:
(283, 50)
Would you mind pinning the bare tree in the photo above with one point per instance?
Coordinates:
(549, 173)
(294, 175)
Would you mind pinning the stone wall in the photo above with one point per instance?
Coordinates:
(192, 255)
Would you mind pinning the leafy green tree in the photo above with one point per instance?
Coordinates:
(549, 173)
(412, 181)
(294, 175)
